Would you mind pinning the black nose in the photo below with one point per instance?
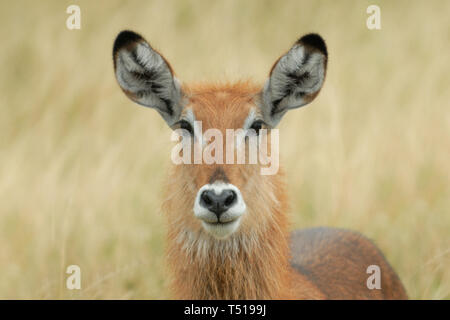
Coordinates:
(218, 203)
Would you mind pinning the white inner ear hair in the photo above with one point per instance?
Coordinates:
(297, 74)
(144, 73)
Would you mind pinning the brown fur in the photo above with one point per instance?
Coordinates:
(336, 260)
(255, 262)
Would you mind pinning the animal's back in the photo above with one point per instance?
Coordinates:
(336, 261)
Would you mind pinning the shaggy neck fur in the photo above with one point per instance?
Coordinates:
(247, 265)
(258, 272)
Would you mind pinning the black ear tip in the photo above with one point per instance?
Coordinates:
(125, 38)
(315, 41)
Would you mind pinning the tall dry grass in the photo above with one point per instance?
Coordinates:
(81, 166)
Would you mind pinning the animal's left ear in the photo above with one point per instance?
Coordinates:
(295, 79)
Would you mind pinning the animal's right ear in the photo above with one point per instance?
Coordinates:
(146, 77)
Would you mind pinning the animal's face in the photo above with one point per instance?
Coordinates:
(220, 126)
(214, 117)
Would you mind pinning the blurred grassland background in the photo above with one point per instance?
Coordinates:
(81, 167)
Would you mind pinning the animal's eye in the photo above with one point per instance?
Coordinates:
(257, 126)
(183, 124)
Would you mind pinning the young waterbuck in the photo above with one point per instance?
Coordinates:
(228, 232)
